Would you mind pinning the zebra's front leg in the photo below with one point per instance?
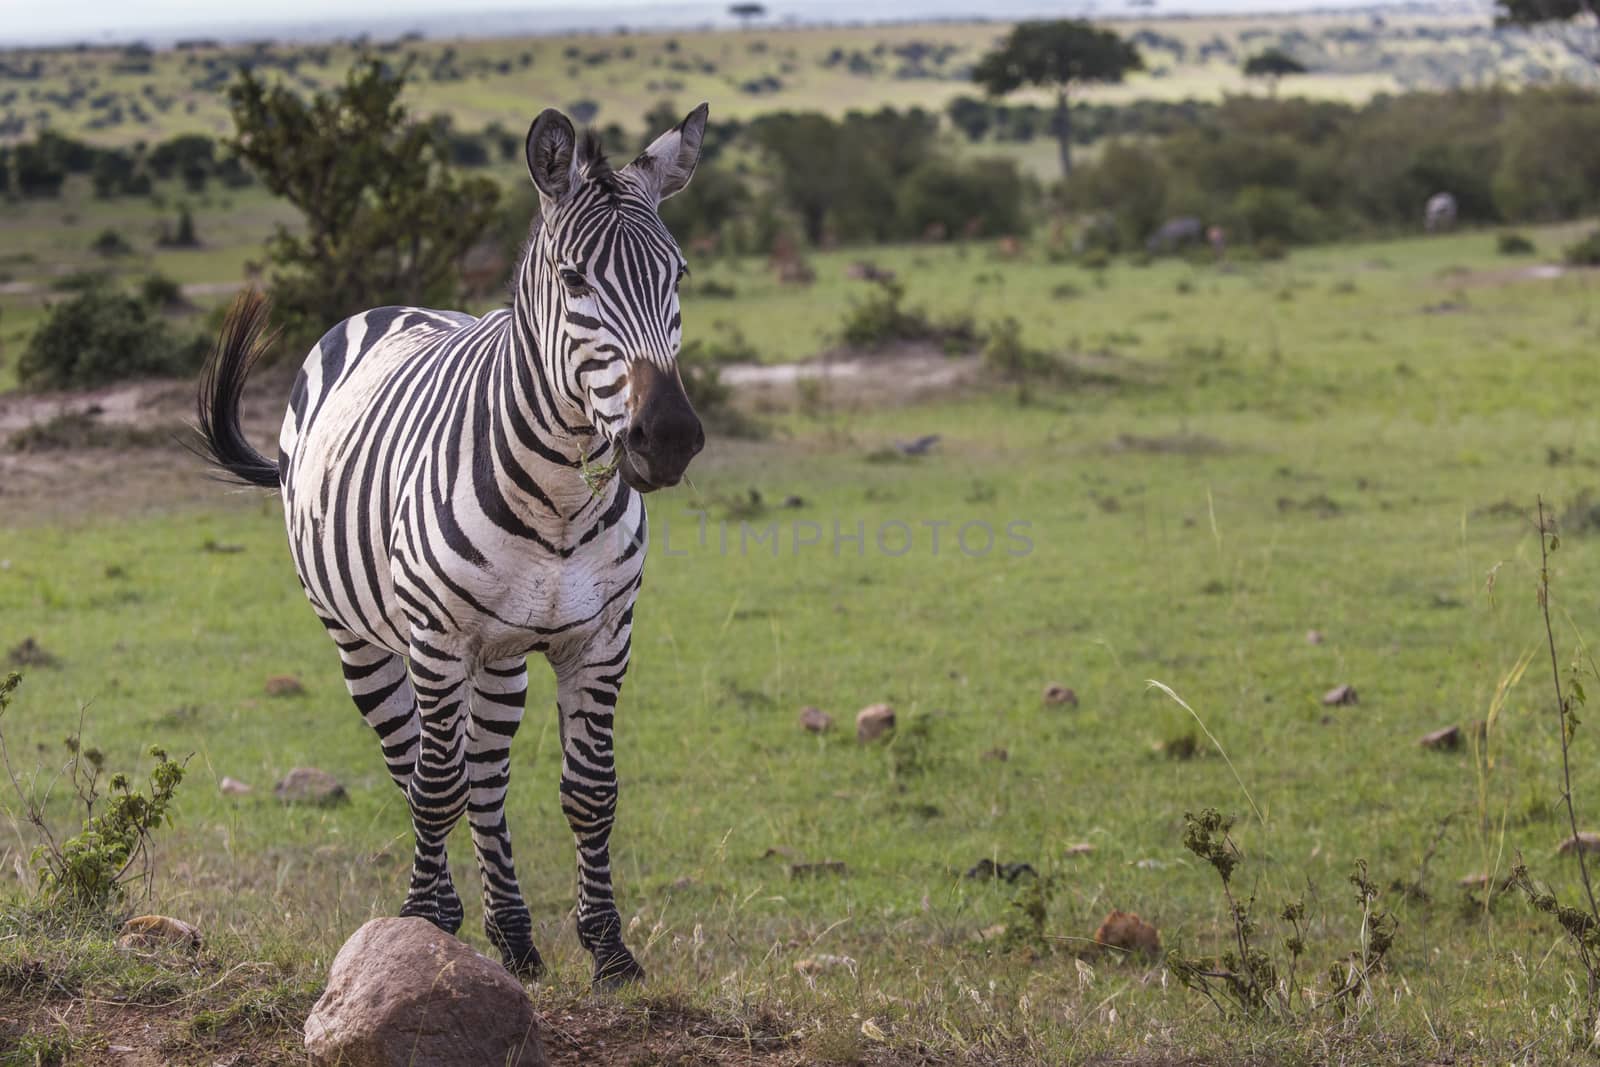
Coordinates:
(586, 693)
(500, 692)
(437, 791)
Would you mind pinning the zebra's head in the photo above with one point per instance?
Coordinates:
(601, 277)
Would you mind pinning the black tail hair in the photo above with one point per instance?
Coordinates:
(242, 342)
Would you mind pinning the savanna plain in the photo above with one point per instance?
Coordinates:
(1349, 442)
(1274, 522)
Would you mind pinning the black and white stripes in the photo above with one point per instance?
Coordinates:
(432, 468)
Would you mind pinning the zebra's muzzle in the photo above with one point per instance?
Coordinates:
(664, 433)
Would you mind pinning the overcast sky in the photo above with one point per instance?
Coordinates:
(93, 19)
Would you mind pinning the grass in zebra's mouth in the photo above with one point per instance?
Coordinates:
(1156, 548)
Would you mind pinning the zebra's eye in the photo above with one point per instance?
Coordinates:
(683, 272)
(575, 282)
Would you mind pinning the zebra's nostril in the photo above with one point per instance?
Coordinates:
(636, 438)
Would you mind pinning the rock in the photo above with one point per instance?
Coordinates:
(873, 721)
(794, 501)
(1587, 840)
(1060, 694)
(1082, 848)
(995, 755)
(156, 932)
(30, 653)
(1340, 695)
(309, 785)
(234, 788)
(992, 933)
(284, 685)
(813, 965)
(1447, 738)
(402, 991)
(1126, 931)
(1314, 637)
(816, 720)
(816, 870)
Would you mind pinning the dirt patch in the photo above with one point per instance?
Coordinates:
(1536, 272)
(849, 380)
(116, 449)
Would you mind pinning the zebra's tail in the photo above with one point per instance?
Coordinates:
(242, 342)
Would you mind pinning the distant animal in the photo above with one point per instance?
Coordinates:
(1175, 234)
(460, 492)
(1440, 213)
(919, 447)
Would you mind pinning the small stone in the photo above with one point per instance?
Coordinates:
(813, 965)
(1314, 637)
(873, 721)
(815, 720)
(30, 653)
(1447, 738)
(1082, 848)
(816, 870)
(1056, 695)
(1126, 931)
(792, 501)
(402, 991)
(157, 931)
(310, 785)
(1587, 840)
(996, 755)
(234, 788)
(284, 685)
(1340, 695)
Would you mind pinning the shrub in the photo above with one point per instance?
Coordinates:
(1515, 244)
(111, 243)
(100, 336)
(161, 292)
(1585, 253)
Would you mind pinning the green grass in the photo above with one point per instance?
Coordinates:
(1300, 455)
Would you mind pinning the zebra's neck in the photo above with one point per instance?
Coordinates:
(533, 425)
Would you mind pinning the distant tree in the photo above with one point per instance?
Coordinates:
(386, 220)
(1574, 20)
(1272, 65)
(1057, 55)
(747, 13)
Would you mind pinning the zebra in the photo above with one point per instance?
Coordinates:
(1439, 214)
(462, 492)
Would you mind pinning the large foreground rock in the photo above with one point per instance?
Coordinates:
(403, 992)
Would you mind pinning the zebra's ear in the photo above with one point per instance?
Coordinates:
(668, 164)
(551, 158)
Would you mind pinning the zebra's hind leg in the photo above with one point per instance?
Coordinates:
(586, 693)
(499, 693)
(381, 688)
(437, 791)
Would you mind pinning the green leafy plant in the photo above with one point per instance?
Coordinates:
(92, 869)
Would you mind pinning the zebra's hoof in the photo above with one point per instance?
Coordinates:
(615, 968)
(523, 961)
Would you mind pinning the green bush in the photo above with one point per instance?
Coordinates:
(101, 336)
(111, 243)
(1585, 253)
(1515, 244)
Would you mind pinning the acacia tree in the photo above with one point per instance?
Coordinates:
(1056, 55)
(1272, 65)
(386, 220)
